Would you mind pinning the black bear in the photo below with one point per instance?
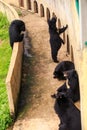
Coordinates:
(61, 68)
(55, 39)
(71, 86)
(73, 82)
(68, 113)
(16, 29)
(63, 88)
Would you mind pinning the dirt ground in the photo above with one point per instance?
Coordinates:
(36, 107)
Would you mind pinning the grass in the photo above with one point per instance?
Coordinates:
(5, 55)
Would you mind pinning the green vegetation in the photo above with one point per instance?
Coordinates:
(19, 11)
(5, 55)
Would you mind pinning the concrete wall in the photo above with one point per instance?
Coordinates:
(14, 73)
(14, 77)
(83, 64)
(8, 11)
(13, 2)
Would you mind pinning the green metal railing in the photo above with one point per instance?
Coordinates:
(77, 5)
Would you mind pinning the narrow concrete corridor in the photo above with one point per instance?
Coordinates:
(36, 107)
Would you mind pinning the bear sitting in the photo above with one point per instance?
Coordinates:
(71, 86)
(16, 33)
(69, 114)
(61, 68)
(73, 82)
(55, 39)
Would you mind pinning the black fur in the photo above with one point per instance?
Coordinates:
(61, 67)
(15, 29)
(73, 84)
(55, 39)
(68, 113)
(62, 88)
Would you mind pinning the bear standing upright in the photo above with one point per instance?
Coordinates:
(16, 31)
(55, 39)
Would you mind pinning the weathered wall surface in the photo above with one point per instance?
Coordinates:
(13, 2)
(14, 73)
(14, 77)
(8, 11)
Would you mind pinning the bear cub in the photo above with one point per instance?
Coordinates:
(61, 68)
(69, 114)
(16, 31)
(55, 39)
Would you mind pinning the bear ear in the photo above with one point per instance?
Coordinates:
(53, 96)
(55, 19)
